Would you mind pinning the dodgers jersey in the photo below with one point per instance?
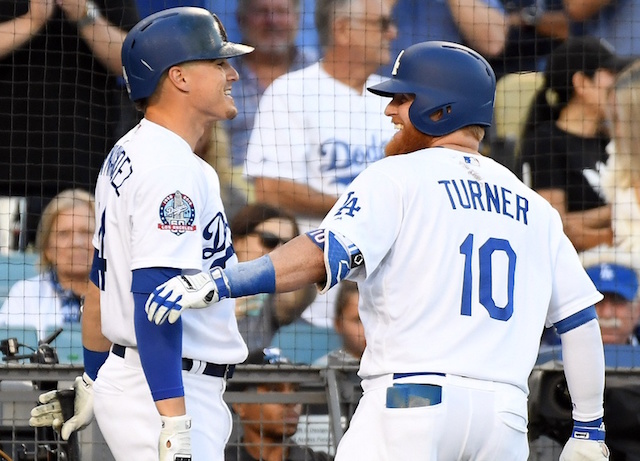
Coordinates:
(158, 205)
(312, 129)
(463, 266)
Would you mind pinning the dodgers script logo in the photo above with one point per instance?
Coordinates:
(177, 214)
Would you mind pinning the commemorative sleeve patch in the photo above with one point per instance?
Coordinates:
(177, 214)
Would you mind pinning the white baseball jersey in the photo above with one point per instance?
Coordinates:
(158, 205)
(312, 129)
(464, 265)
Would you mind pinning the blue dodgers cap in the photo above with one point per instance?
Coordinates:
(614, 278)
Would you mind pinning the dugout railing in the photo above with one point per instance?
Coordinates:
(329, 395)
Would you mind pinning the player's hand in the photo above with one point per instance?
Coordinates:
(186, 292)
(586, 443)
(49, 412)
(175, 438)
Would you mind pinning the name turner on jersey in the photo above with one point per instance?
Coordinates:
(480, 195)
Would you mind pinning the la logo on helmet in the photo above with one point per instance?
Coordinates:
(396, 66)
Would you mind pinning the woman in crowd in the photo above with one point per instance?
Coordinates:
(621, 177)
(53, 298)
(564, 138)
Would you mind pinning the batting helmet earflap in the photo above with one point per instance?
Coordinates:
(171, 37)
(447, 76)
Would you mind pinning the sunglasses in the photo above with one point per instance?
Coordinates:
(383, 22)
(269, 240)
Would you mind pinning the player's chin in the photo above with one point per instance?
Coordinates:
(231, 112)
(395, 146)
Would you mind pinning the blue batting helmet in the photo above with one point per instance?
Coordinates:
(171, 37)
(443, 76)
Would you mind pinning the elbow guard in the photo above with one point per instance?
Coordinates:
(340, 256)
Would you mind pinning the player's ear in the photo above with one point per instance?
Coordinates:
(177, 75)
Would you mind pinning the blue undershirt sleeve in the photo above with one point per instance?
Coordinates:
(159, 346)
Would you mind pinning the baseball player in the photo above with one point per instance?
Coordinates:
(159, 214)
(459, 268)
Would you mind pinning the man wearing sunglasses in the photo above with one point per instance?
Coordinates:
(257, 229)
(317, 128)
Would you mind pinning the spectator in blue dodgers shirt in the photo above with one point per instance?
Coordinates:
(480, 24)
(317, 128)
(271, 27)
(52, 299)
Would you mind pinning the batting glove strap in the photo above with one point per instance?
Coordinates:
(175, 438)
(222, 285)
(592, 430)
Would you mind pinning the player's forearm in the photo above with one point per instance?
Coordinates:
(581, 10)
(483, 27)
(296, 197)
(583, 361)
(298, 263)
(172, 407)
(290, 267)
(92, 337)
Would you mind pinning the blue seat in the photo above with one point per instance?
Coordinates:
(15, 266)
(68, 344)
(303, 342)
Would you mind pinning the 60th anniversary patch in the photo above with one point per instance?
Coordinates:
(177, 214)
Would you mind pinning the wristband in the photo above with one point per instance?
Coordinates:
(591, 430)
(93, 360)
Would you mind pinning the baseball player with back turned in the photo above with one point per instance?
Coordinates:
(459, 267)
(159, 214)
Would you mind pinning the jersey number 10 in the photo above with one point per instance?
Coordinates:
(485, 286)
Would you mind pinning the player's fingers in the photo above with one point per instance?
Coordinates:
(155, 303)
(166, 307)
(49, 408)
(150, 309)
(48, 396)
(41, 421)
(160, 315)
(174, 314)
(68, 428)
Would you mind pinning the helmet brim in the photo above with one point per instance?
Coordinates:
(391, 87)
(231, 50)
